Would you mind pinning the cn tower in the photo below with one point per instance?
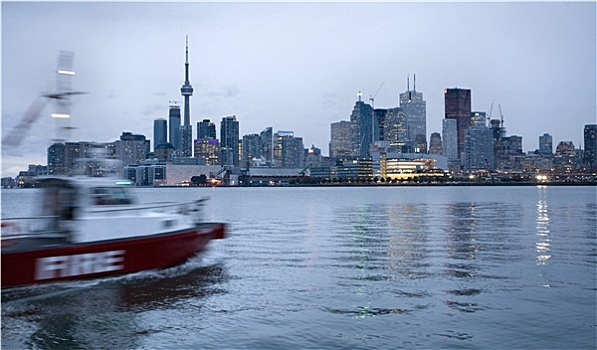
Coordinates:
(187, 91)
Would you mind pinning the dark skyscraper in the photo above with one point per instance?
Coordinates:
(174, 121)
(229, 137)
(458, 106)
(160, 132)
(187, 91)
(206, 130)
(590, 154)
(361, 120)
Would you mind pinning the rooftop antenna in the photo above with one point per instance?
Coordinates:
(414, 82)
(407, 82)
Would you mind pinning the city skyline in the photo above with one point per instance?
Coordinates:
(130, 98)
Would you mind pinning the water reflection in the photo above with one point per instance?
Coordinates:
(542, 228)
(462, 241)
(108, 313)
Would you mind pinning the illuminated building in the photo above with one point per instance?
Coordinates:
(415, 110)
(340, 141)
(186, 130)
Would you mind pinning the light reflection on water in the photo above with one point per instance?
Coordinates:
(346, 268)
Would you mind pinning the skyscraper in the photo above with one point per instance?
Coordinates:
(206, 129)
(590, 154)
(251, 146)
(292, 152)
(187, 91)
(415, 110)
(340, 139)
(396, 130)
(457, 105)
(478, 148)
(160, 132)
(545, 144)
(435, 143)
(229, 140)
(267, 144)
(450, 139)
(174, 130)
(361, 120)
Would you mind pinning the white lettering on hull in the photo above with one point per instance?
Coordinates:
(79, 264)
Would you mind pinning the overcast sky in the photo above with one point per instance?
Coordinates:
(296, 66)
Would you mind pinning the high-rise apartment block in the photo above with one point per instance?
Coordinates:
(229, 141)
(131, 149)
(457, 104)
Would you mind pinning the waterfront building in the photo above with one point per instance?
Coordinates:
(450, 139)
(340, 139)
(251, 146)
(354, 169)
(207, 150)
(164, 152)
(435, 143)
(590, 139)
(229, 141)
(146, 174)
(545, 144)
(415, 110)
(206, 129)
(405, 166)
(457, 105)
(186, 91)
(361, 120)
(292, 152)
(160, 132)
(174, 126)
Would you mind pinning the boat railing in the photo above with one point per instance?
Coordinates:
(194, 209)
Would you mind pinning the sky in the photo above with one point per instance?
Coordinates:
(295, 66)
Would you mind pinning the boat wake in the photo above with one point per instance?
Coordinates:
(31, 293)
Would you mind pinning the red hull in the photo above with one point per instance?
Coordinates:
(105, 258)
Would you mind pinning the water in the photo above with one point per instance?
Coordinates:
(342, 268)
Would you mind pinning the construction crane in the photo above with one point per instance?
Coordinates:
(372, 99)
(490, 111)
(501, 116)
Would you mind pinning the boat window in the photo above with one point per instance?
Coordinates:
(111, 196)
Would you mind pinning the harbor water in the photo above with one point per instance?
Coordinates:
(341, 268)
